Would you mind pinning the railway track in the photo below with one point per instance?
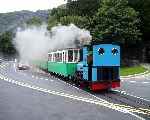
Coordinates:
(115, 96)
(132, 104)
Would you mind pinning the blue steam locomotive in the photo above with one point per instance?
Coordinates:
(100, 66)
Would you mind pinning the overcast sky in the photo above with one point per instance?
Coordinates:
(33, 5)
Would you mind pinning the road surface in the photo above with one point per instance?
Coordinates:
(27, 95)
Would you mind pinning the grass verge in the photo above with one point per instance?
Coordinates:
(124, 71)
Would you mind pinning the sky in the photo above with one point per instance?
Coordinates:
(33, 5)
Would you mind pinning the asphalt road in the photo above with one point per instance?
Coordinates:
(137, 86)
(26, 95)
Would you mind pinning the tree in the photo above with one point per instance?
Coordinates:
(34, 21)
(59, 12)
(143, 7)
(52, 21)
(116, 19)
(6, 45)
(79, 12)
(54, 16)
(83, 7)
(77, 20)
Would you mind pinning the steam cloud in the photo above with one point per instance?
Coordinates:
(35, 42)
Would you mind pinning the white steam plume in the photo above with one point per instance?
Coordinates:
(35, 42)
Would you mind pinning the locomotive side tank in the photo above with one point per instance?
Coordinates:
(101, 65)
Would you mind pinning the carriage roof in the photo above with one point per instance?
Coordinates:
(66, 49)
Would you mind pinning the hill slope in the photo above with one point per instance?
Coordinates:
(9, 21)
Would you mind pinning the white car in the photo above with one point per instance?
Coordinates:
(23, 66)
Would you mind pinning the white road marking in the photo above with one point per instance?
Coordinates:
(137, 81)
(125, 78)
(145, 82)
(125, 93)
(15, 67)
(132, 81)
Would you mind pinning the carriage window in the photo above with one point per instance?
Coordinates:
(75, 55)
(54, 57)
(50, 57)
(60, 57)
(70, 56)
(65, 56)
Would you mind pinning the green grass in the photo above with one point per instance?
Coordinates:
(124, 71)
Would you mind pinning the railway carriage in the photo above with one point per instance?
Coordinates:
(63, 62)
(95, 67)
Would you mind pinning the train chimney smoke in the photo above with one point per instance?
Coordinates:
(34, 43)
